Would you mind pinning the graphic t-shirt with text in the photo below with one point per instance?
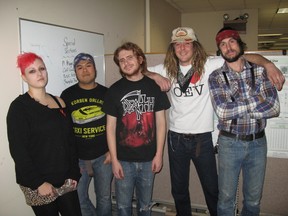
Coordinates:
(134, 105)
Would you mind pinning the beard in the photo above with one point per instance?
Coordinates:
(134, 71)
(235, 58)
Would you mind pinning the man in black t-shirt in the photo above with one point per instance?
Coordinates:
(136, 129)
(84, 101)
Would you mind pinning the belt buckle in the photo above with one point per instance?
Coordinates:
(239, 137)
(249, 137)
(187, 136)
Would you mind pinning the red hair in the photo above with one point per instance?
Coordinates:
(25, 59)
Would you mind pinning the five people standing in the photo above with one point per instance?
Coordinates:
(136, 124)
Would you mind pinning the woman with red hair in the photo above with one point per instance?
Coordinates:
(41, 143)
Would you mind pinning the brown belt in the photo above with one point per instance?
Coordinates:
(249, 137)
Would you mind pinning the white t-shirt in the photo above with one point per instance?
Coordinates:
(192, 111)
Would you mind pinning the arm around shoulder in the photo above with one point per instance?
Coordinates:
(274, 74)
(163, 82)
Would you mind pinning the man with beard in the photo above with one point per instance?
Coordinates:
(243, 99)
(136, 129)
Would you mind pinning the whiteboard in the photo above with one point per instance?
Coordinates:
(58, 46)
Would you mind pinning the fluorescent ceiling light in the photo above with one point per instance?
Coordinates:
(268, 35)
(260, 42)
(280, 44)
(282, 10)
(283, 38)
(278, 48)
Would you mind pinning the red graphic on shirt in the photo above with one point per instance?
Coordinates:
(195, 78)
(138, 130)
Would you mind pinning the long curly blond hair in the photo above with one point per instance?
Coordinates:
(199, 57)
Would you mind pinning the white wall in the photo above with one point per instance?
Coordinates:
(163, 19)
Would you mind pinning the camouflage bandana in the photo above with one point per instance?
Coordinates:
(83, 56)
(184, 81)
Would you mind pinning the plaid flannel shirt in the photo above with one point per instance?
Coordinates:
(246, 107)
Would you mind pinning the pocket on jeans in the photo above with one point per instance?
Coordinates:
(173, 140)
(261, 142)
(224, 141)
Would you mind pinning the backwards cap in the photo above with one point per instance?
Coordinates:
(83, 56)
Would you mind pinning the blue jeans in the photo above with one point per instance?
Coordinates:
(102, 185)
(198, 148)
(234, 155)
(137, 175)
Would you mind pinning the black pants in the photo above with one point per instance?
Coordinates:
(198, 148)
(67, 205)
